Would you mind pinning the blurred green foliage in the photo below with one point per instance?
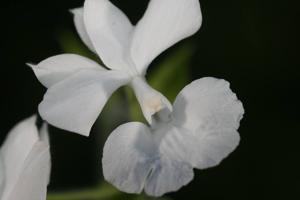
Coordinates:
(102, 192)
(172, 74)
(71, 43)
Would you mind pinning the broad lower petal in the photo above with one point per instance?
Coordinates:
(173, 169)
(211, 111)
(128, 155)
(208, 103)
(213, 147)
(168, 176)
(165, 23)
(136, 157)
(75, 103)
(80, 27)
(58, 68)
(109, 30)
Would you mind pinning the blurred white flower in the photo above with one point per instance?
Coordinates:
(78, 88)
(25, 163)
(199, 133)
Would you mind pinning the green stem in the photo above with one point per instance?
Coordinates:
(98, 193)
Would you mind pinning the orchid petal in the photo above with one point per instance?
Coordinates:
(44, 137)
(110, 31)
(57, 68)
(127, 157)
(80, 27)
(133, 159)
(173, 170)
(211, 111)
(16, 149)
(33, 181)
(151, 101)
(165, 23)
(168, 176)
(2, 175)
(75, 103)
(27, 163)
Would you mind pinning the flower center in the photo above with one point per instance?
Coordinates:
(153, 104)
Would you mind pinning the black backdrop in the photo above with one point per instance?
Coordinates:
(251, 43)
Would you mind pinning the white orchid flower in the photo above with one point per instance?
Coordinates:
(78, 88)
(25, 163)
(199, 133)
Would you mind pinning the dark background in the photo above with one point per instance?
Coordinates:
(251, 43)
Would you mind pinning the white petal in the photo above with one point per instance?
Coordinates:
(128, 156)
(165, 23)
(33, 180)
(75, 103)
(211, 111)
(208, 103)
(134, 159)
(26, 163)
(2, 175)
(110, 30)
(173, 170)
(214, 147)
(57, 68)
(44, 137)
(16, 149)
(80, 27)
(44, 134)
(168, 176)
(151, 101)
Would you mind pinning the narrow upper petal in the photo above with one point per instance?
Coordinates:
(109, 30)
(75, 103)
(26, 163)
(58, 68)
(211, 111)
(80, 27)
(165, 23)
(128, 156)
